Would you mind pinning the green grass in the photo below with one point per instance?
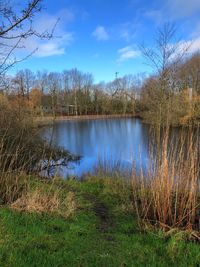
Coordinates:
(84, 239)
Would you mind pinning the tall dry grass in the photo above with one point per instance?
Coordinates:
(168, 195)
(46, 199)
(15, 130)
(22, 150)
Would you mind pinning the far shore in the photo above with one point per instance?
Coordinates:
(48, 120)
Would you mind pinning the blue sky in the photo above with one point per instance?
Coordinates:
(103, 36)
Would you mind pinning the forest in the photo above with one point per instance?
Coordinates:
(172, 97)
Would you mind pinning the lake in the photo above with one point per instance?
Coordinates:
(110, 144)
(117, 143)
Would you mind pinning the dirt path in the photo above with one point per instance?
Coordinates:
(105, 220)
(102, 213)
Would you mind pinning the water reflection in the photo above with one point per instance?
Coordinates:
(112, 140)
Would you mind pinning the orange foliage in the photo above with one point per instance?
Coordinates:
(35, 97)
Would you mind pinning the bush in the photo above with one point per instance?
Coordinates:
(22, 150)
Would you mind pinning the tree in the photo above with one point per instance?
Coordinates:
(16, 25)
(25, 79)
(189, 73)
(54, 85)
(164, 58)
(35, 99)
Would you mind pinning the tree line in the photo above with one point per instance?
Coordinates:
(169, 96)
(73, 92)
(172, 97)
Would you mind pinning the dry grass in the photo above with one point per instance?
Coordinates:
(23, 151)
(41, 201)
(169, 194)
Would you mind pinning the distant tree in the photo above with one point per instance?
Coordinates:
(54, 85)
(35, 98)
(25, 80)
(189, 74)
(42, 81)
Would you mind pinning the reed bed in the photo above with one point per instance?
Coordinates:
(168, 195)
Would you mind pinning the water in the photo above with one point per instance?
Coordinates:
(113, 143)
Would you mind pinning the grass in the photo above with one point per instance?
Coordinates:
(101, 231)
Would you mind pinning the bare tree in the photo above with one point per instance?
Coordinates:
(16, 25)
(165, 58)
(42, 81)
(166, 55)
(25, 78)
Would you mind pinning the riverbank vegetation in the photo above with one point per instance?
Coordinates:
(22, 150)
(88, 223)
(168, 194)
(72, 92)
(170, 96)
(152, 218)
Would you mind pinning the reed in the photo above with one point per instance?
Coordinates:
(168, 195)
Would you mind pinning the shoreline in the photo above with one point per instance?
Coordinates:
(48, 120)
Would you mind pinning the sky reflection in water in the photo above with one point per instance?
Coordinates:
(112, 141)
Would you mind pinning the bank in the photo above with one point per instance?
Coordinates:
(89, 223)
(48, 120)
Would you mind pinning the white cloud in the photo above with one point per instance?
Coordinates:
(49, 49)
(125, 31)
(55, 46)
(126, 53)
(191, 46)
(185, 48)
(195, 45)
(100, 33)
(61, 39)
